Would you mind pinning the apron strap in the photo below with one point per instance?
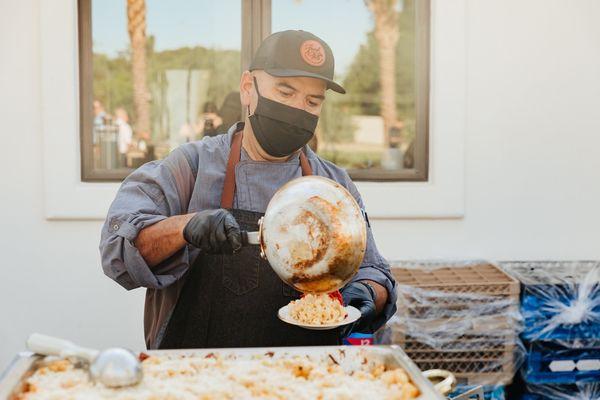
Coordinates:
(305, 165)
(234, 157)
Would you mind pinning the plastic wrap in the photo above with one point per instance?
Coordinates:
(560, 300)
(560, 304)
(579, 391)
(460, 316)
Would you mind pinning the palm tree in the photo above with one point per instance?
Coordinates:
(136, 26)
(386, 33)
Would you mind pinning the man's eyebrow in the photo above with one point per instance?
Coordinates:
(287, 85)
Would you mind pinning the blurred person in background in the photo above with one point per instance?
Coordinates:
(100, 121)
(99, 113)
(210, 120)
(125, 135)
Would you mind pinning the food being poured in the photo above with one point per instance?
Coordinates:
(317, 309)
(313, 234)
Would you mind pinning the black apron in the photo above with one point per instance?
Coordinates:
(233, 300)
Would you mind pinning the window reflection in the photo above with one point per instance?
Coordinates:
(164, 73)
(372, 127)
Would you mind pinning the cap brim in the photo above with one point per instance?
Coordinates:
(296, 72)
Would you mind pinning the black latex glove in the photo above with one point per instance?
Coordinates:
(362, 296)
(214, 232)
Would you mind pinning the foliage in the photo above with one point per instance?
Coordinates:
(335, 124)
(362, 80)
(113, 76)
(112, 84)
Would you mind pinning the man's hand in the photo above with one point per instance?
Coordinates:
(214, 232)
(362, 296)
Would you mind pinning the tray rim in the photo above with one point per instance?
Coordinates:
(24, 362)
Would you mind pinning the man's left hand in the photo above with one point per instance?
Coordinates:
(362, 296)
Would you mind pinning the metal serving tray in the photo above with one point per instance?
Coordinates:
(348, 357)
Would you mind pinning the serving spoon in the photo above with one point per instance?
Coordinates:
(113, 367)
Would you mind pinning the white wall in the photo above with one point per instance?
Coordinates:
(532, 139)
(532, 170)
(50, 276)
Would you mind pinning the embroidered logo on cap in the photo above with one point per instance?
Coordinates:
(313, 53)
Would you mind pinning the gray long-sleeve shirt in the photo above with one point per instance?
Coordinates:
(191, 179)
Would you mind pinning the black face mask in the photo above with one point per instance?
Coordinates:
(280, 129)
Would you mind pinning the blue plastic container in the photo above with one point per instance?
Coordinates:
(560, 300)
(539, 311)
(552, 363)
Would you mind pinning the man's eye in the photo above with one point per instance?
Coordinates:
(285, 94)
(313, 104)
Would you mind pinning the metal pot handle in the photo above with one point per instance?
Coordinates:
(448, 383)
(250, 238)
(254, 238)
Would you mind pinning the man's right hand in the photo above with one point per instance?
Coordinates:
(214, 232)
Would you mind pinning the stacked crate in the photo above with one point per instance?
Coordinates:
(560, 304)
(461, 317)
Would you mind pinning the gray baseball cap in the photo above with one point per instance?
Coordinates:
(296, 53)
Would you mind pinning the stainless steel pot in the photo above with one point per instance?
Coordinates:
(313, 234)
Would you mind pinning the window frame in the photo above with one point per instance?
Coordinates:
(67, 198)
(256, 25)
(420, 172)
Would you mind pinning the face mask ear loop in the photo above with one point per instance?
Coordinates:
(257, 92)
(256, 86)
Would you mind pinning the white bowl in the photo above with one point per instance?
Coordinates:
(352, 314)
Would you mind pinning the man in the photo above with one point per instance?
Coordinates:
(210, 122)
(175, 224)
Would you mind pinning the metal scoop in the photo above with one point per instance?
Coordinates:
(114, 367)
(313, 234)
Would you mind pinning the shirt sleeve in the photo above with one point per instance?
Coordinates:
(374, 267)
(153, 192)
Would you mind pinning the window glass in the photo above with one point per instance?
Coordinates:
(372, 129)
(164, 72)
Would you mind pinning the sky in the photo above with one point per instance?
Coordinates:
(343, 24)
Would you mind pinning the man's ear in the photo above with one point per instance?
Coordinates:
(246, 88)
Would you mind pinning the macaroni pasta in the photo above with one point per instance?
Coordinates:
(317, 309)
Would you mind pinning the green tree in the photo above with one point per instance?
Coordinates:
(136, 27)
(363, 81)
(112, 82)
(113, 79)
